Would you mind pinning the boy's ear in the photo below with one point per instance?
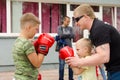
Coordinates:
(27, 27)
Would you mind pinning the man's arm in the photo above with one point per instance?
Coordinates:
(102, 56)
(77, 71)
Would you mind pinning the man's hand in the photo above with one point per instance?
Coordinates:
(73, 61)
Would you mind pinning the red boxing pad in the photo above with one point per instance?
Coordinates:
(46, 39)
(66, 52)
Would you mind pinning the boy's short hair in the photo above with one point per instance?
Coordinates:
(29, 18)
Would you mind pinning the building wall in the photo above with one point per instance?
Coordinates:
(6, 52)
(6, 60)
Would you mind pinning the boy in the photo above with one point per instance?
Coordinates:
(26, 59)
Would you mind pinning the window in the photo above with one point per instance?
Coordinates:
(2, 16)
(108, 14)
(73, 6)
(51, 16)
(95, 8)
(118, 18)
(19, 8)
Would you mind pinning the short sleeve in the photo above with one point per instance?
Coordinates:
(100, 35)
(28, 48)
(85, 67)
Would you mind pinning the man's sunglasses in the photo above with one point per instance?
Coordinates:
(78, 18)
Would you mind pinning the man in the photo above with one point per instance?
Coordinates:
(65, 32)
(105, 38)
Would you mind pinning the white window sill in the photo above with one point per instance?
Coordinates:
(17, 34)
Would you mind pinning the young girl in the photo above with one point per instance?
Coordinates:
(84, 48)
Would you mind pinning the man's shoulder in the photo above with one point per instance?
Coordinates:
(99, 23)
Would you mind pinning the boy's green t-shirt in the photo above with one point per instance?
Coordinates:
(24, 69)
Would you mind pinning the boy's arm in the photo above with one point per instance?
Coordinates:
(36, 60)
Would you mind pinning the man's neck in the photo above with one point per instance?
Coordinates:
(90, 24)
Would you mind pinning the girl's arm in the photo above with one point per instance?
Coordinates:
(77, 70)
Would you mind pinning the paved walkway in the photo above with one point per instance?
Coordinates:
(46, 75)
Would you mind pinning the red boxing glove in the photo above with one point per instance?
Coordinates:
(39, 77)
(43, 43)
(66, 52)
(46, 39)
(36, 45)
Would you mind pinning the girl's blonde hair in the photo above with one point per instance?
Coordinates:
(84, 9)
(29, 18)
(86, 43)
